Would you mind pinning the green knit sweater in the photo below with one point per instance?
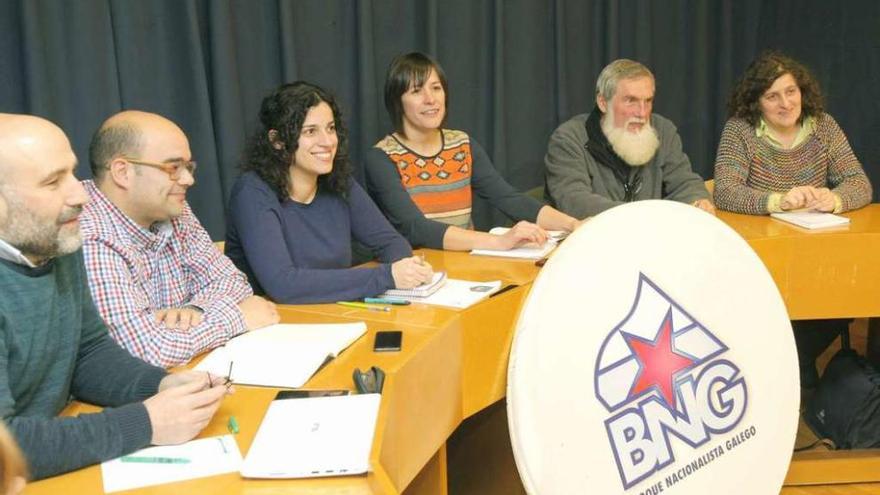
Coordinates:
(748, 169)
(54, 345)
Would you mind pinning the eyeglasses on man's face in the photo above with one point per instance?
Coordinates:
(173, 169)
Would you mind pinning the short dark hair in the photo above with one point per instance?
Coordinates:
(284, 111)
(759, 76)
(407, 71)
(110, 142)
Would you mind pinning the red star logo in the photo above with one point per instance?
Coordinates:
(658, 362)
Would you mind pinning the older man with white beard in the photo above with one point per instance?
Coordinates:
(619, 152)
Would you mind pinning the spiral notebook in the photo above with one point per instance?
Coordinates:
(423, 290)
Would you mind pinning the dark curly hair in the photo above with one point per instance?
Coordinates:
(284, 111)
(760, 75)
(406, 71)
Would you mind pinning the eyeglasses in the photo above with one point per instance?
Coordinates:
(173, 169)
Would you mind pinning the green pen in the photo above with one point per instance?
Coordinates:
(386, 300)
(155, 460)
(232, 425)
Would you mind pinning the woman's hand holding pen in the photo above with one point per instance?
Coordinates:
(411, 272)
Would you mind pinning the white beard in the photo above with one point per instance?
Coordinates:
(635, 148)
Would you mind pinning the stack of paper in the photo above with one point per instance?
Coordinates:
(458, 294)
(811, 219)
(284, 355)
(158, 465)
(527, 252)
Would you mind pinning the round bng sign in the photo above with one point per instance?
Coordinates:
(653, 355)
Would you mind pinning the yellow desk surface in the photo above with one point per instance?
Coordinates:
(454, 363)
(827, 273)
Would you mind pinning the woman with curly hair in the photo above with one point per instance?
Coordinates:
(295, 209)
(422, 175)
(780, 151)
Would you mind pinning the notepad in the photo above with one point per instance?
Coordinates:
(205, 457)
(315, 436)
(811, 219)
(283, 355)
(525, 252)
(459, 294)
(423, 290)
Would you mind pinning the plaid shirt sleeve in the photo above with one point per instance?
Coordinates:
(212, 282)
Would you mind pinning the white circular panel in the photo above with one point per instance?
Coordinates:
(653, 354)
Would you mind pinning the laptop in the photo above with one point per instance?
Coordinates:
(314, 436)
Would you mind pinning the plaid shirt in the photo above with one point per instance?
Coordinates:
(134, 272)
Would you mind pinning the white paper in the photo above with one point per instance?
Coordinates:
(208, 457)
(811, 219)
(459, 294)
(316, 436)
(527, 252)
(283, 355)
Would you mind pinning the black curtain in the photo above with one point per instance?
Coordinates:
(517, 68)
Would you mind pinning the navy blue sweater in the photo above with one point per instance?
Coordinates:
(301, 253)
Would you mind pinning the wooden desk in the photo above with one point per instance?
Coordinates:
(453, 364)
(829, 273)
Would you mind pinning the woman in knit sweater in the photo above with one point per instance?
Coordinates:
(422, 175)
(779, 151)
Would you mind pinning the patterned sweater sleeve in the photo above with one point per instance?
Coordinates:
(732, 170)
(846, 178)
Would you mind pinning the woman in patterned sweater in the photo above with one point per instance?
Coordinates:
(422, 175)
(779, 151)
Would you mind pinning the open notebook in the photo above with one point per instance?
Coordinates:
(811, 219)
(423, 290)
(314, 436)
(283, 355)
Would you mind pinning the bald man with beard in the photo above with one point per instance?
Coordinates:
(53, 342)
(166, 293)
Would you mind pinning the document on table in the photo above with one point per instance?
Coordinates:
(530, 252)
(811, 219)
(168, 463)
(459, 294)
(283, 355)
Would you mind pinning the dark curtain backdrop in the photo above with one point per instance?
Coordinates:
(517, 68)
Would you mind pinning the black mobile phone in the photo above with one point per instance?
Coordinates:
(302, 394)
(388, 341)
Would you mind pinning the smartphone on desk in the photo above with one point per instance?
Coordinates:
(388, 341)
(302, 394)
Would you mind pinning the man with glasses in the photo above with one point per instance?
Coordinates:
(53, 344)
(620, 152)
(164, 290)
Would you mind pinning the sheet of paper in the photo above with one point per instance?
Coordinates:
(283, 355)
(459, 294)
(206, 456)
(527, 252)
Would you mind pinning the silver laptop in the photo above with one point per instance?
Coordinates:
(314, 436)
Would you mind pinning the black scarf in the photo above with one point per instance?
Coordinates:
(598, 146)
